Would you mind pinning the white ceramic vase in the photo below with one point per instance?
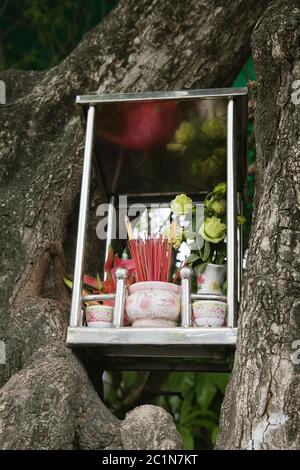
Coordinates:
(153, 304)
(211, 280)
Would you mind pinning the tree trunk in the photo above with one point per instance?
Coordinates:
(46, 399)
(261, 406)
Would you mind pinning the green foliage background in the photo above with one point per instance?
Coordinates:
(192, 398)
(38, 34)
(247, 74)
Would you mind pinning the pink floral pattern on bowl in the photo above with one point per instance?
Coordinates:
(209, 313)
(153, 304)
(101, 314)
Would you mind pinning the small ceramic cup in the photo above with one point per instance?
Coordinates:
(209, 313)
(99, 316)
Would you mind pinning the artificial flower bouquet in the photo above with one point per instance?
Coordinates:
(205, 237)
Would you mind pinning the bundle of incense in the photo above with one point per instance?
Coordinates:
(152, 256)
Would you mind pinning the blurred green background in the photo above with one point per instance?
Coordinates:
(36, 35)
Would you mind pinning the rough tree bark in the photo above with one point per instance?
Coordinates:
(261, 407)
(46, 399)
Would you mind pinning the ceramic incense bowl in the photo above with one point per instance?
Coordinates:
(209, 313)
(99, 316)
(153, 304)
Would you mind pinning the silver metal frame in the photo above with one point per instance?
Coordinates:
(231, 236)
(75, 317)
(186, 308)
(161, 95)
(119, 310)
(184, 336)
(132, 337)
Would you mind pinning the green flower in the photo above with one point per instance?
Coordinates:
(213, 230)
(182, 204)
(207, 168)
(184, 135)
(220, 152)
(214, 129)
(178, 237)
(215, 201)
(174, 147)
(218, 206)
(241, 219)
(221, 189)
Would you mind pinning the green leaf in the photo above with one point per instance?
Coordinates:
(214, 435)
(186, 408)
(205, 394)
(192, 258)
(100, 284)
(207, 424)
(129, 378)
(68, 283)
(179, 382)
(207, 386)
(187, 437)
(174, 382)
(221, 380)
(220, 257)
(206, 251)
(191, 418)
(209, 414)
(201, 268)
(241, 219)
(224, 288)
